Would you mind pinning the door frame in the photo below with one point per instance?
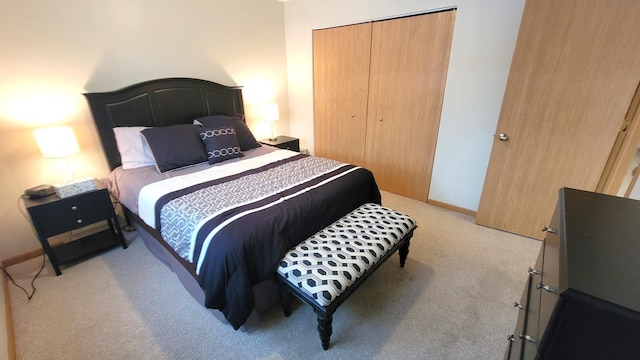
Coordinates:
(623, 151)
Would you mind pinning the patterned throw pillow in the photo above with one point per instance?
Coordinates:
(245, 138)
(221, 144)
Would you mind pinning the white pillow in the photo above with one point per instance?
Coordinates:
(134, 151)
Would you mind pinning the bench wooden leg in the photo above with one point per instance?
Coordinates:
(285, 299)
(324, 328)
(404, 252)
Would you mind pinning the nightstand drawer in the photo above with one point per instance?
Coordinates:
(293, 145)
(73, 212)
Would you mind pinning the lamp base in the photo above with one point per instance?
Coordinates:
(75, 187)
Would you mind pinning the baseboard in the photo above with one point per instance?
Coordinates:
(452, 207)
(11, 344)
(8, 317)
(21, 258)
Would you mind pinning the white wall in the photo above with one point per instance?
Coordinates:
(484, 38)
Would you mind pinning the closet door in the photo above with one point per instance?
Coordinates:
(340, 82)
(409, 61)
(574, 72)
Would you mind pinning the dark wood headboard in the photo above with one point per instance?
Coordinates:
(161, 102)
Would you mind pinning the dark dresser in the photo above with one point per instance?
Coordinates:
(582, 298)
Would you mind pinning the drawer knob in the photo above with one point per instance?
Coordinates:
(549, 230)
(534, 271)
(546, 288)
(79, 221)
(528, 338)
(74, 208)
(516, 305)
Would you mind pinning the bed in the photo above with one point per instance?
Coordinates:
(223, 222)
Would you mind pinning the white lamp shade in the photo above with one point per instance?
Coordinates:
(56, 142)
(270, 112)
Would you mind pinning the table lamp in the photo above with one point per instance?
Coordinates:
(60, 143)
(271, 114)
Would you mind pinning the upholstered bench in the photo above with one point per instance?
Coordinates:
(325, 269)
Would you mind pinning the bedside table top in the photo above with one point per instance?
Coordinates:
(278, 140)
(30, 202)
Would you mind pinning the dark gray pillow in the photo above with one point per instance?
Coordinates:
(175, 146)
(221, 144)
(246, 140)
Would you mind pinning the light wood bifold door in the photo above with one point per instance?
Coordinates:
(378, 102)
(341, 81)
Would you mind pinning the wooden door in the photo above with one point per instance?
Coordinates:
(340, 83)
(573, 74)
(409, 60)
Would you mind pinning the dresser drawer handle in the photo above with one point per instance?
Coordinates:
(547, 288)
(534, 271)
(79, 221)
(528, 338)
(516, 305)
(549, 230)
(74, 208)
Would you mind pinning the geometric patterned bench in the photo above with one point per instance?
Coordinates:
(325, 269)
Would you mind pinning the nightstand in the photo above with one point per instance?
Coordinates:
(283, 142)
(52, 215)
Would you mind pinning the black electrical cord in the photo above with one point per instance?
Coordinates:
(33, 288)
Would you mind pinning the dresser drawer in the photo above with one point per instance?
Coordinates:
(516, 342)
(523, 340)
(549, 284)
(73, 212)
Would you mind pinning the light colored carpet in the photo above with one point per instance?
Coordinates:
(453, 300)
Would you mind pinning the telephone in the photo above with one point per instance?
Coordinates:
(40, 191)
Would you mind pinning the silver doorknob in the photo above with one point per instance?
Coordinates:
(503, 137)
